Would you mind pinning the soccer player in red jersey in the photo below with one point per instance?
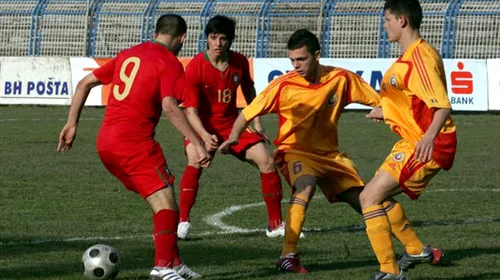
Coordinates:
(212, 80)
(144, 80)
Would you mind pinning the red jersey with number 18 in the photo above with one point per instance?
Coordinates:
(213, 92)
(140, 78)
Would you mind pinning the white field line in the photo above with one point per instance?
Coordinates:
(215, 220)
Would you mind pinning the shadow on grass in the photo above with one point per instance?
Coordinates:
(453, 255)
(480, 276)
(59, 259)
(235, 256)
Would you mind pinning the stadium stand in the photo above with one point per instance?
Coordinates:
(433, 29)
(353, 28)
(247, 16)
(476, 30)
(62, 28)
(191, 11)
(17, 27)
(347, 28)
(117, 25)
(282, 18)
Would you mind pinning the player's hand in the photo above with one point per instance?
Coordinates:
(204, 157)
(259, 129)
(66, 137)
(211, 142)
(224, 147)
(376, 115)
(423, 151)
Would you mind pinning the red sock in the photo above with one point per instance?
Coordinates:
(165, 237)
(272, 194)
(189, 189)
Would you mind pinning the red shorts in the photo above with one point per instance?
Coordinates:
(247, 139)
(142, 168)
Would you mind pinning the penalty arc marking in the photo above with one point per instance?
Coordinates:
(225, 229)
(215, 220)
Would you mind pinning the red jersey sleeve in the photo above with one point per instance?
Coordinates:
(105, 73)
(192, 90)
(172, 81)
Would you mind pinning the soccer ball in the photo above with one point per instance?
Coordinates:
(101, 262)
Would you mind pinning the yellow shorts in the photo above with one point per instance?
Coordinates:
(334, 173)
(412, 175)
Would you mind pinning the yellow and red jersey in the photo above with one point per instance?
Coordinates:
(309, 113)
(412, 89)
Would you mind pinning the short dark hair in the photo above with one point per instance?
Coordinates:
(409, 8)
(222, 25)
(171, 24)
(304, 37)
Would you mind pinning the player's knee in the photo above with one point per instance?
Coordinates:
(194, 163)
(162, 199)
(193, 160)
(266, 165)
(368, 197)
(305, 189)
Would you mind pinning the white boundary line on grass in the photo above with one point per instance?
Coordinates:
(216, 221)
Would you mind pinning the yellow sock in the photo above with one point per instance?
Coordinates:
(401, 227)
(295, 216)
(378, 230)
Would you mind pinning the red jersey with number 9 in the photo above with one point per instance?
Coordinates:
(213, 92)
(140, 78)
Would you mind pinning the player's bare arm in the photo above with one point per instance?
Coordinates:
(211, 141)
(68, 133)
(423, 151)
(238, 127)
(376, 115)
(179, 121)
(250, 95)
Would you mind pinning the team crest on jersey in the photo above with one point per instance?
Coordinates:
(393, 81)
(236, 79)
(332, 99)
(399, 157)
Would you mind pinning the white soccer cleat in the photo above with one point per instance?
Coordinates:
(183, 230)
(164, 273)
(279, 232)
(186, 272)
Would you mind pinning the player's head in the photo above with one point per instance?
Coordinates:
(304, 52)
(401, 15)
(220, 34)
(171, 30)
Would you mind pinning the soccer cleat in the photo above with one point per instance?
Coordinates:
(428, 255)
(186, 272)
(290, 263)
(164, 274)
(279, 232)
(388, 276)
(183, 230)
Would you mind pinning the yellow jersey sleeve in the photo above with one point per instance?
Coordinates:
(264, 103)
(428, 80)
(361, 92)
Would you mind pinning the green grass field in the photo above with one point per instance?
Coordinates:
(53, 206)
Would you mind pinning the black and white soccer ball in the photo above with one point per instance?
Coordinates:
(101, 262)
